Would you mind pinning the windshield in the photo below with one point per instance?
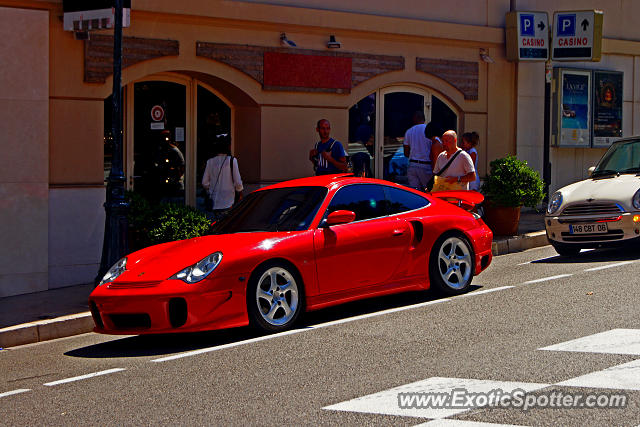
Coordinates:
(622, 157)
(279, 209)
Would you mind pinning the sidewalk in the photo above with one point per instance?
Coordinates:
(63, 312)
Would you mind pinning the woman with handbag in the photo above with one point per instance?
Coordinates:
(222, 178)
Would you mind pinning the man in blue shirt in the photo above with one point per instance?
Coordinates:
(328, 156)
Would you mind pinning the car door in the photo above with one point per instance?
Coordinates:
(364, 252)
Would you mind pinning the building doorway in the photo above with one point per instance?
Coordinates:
(378, 122)
(159, 144)
(170, 121)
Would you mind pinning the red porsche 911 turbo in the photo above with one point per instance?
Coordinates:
(297, 246)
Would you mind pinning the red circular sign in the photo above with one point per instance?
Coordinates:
(157, 113)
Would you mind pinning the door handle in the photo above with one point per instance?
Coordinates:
(398, 232)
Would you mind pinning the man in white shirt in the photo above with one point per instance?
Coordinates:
(461, 170)
(417, 147)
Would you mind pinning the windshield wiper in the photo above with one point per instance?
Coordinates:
(604, 172)
(630, 170)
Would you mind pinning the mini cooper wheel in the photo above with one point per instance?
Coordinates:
(274, 297)
(451, 265)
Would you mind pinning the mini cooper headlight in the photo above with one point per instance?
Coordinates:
(636, 200)
(554, 202)
(198, 271)
(115, 271)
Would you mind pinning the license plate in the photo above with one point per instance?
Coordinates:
(588, 228)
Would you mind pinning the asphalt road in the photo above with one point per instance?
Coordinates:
(370, 351)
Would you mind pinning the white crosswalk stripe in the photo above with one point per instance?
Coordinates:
(615, 341)
(387, 402)
(620, 377)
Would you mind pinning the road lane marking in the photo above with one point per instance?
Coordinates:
(84, 377)
(319, 326)
(615, 341)
(387, 402)
(225, 346)
(11, 393)
(550, 257)
(602, 267)
(620, 377)
(484, 291)
(378, 313)
(296, 331)
(544, 279)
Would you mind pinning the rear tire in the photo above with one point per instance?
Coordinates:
(566, 250)
(275, 297)
(451, 265)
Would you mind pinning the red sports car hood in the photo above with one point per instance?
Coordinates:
(160, 262)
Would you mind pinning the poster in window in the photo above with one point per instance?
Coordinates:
(575, 123)
(607, 107)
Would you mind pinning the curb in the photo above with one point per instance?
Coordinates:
(519, 243)
(44, 330)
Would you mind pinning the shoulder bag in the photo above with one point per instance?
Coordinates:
(432, 180)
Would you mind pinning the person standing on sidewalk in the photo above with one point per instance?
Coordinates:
(469, 143)
(221, 178)
(459, 172)
(433, 132)
(328, 155)
(417, 147)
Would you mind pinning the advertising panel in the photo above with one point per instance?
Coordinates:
(607, 107)
(574, 109)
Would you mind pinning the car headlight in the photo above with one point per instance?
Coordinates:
(198, 271)
(636, 200)
(554, 202)
(115, 271)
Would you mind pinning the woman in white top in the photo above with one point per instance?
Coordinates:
(222, 178)
(469, 143)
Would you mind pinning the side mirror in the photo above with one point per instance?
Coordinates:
(340, 217)
(590, 170)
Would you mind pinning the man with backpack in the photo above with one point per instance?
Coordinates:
(328, 155)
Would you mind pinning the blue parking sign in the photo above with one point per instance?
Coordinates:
(566, 25)
(527, 25)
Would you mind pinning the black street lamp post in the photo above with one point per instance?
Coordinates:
(115, 244)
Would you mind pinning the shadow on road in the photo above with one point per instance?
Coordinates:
(166, 344)
(597, 255)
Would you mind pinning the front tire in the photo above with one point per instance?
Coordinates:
(566, 250)
(451, 265)
(275, 297)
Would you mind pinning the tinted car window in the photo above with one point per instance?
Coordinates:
(401, 201)
(366, 200)
(279, 209)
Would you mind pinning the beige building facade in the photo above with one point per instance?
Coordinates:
(202, 68)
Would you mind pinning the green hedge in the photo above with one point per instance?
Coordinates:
(153, 223)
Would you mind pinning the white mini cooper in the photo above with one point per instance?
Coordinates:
(603, 210)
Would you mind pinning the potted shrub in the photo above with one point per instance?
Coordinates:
(510, 184)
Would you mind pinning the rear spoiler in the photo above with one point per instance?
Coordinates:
(465, 199)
